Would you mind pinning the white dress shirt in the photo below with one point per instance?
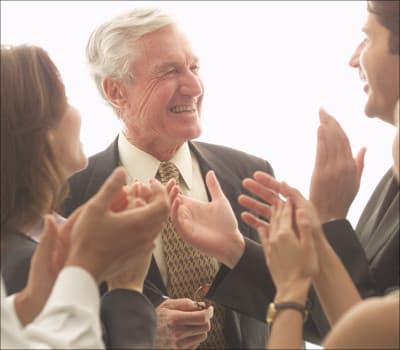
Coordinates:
(142, 166)
(69, 320)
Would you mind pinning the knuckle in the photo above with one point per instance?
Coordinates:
(203, 337)
(173, 323)
(175, 336)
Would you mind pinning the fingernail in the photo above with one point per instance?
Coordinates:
(210, 311)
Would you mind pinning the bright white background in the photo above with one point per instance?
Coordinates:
(267, 67)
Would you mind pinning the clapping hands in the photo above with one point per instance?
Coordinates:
(289, 230)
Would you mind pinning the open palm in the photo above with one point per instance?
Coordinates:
(209, 227)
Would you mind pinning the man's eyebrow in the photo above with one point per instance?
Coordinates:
(164, 66)
(172, 64)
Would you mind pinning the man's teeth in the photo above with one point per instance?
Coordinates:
(182, 109)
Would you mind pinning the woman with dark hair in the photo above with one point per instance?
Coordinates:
(57, 302)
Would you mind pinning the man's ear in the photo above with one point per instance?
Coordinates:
(115, 92)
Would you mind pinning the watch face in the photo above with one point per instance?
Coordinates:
(271, 313)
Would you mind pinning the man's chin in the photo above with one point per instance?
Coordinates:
(374, 110)
(193, 134)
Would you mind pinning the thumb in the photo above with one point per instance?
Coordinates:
(44, 251)
(182, 304)
(323, 115)
(213, 185)
(360, 161)
(110, 188)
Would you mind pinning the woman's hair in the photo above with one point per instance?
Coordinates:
(33, 101)
(110, 50)
(388, 15)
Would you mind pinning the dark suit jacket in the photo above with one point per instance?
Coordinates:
(231, 167)
(370, 254)
(16, 254)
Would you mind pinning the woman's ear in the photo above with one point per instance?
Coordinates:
(115, 92)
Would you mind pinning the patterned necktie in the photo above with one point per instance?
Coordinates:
(188, 269)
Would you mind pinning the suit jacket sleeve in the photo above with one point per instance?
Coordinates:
(129, 320)
(345, 243)
(248, 287)
(16, 253)
(231, 287)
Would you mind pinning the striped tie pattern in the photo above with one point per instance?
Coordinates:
(187, 268)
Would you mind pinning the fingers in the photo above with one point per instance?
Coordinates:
(304, 226)
(261, 187)
(213, 185)
(182, 304)
(253, 221)
(120, 201)
(321, 154)
(170, 184)
(285, 216)
(274, 221)
(192, 342)
(267, 180)
(174, 212)
(256, 206)
(45, 249)
(173, 193)
(264, 238)
(113, 185)
(141, 191)
(295, 195)
(335, 137)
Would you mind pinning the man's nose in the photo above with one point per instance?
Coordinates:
(355, 57)
(191, 84)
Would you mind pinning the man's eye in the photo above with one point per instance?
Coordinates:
(195, 68)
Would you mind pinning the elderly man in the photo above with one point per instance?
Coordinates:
(145, 68)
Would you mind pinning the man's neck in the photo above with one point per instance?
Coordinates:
(156, 148)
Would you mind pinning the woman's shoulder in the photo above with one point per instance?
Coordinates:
(373, 322)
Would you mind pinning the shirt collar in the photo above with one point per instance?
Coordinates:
(143, 166)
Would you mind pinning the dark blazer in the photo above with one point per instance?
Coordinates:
(16, 253)
(231, 167)
(370, 254)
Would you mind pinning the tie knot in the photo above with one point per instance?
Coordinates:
(167, 171)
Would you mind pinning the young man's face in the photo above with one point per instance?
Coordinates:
(379, 69)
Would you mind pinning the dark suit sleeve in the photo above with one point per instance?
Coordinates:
(345, 243)
(128, 319)
(17, 250)
(248, 287)
(231, 287)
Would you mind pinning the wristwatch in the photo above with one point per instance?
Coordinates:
(274, 308)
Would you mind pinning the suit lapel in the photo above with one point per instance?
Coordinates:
(103, 166)
(379, 220)
(385, 229)
(229, 181)
(102, 169)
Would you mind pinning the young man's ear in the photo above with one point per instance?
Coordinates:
(115, 92)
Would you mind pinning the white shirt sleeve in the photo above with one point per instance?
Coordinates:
(69, 320)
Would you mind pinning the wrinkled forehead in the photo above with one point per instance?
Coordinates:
(165, 41)
(166, 47)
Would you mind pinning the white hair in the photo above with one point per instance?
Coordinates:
(110, 50)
